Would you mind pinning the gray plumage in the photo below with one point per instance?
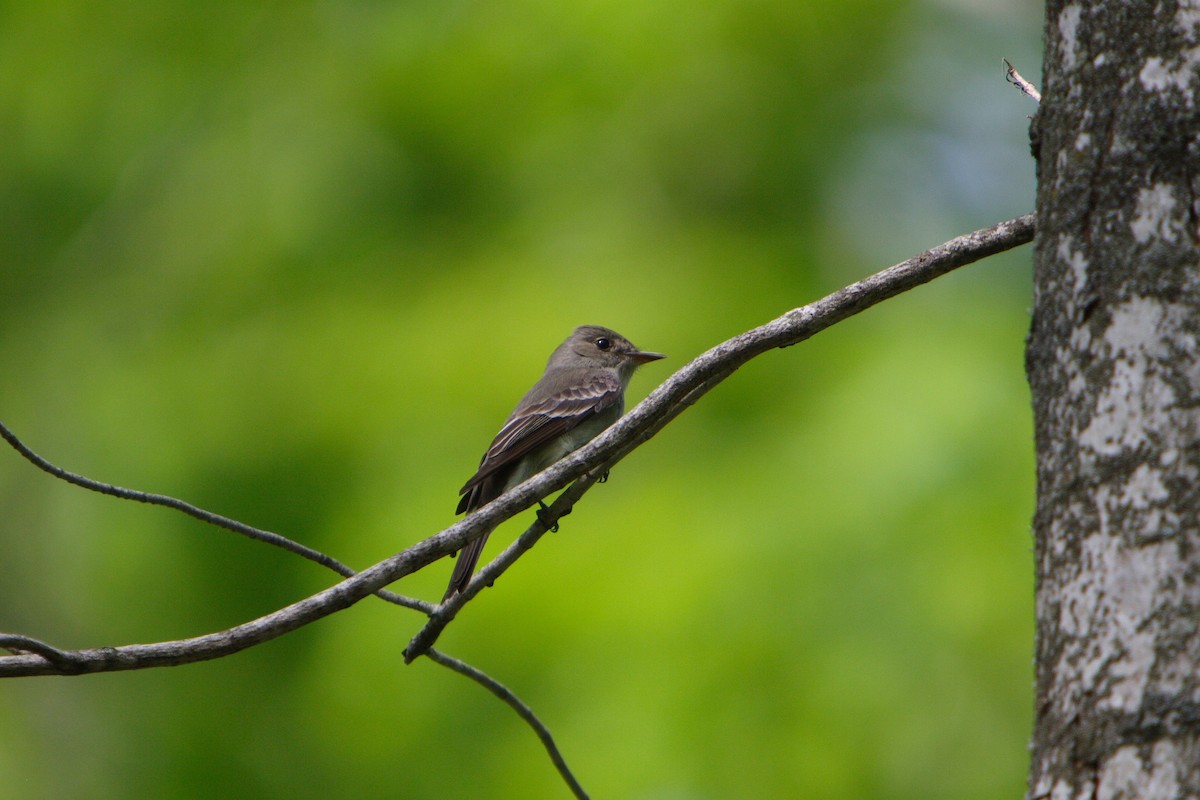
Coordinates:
(580, 394)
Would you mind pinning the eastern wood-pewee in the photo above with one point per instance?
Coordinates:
(581, 393)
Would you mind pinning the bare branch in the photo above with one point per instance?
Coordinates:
(52, 661)
(1014, 77)
(664, 404)
(695, 379)
(524, 711)
(203, 515)
(485, 577)
(24, 644)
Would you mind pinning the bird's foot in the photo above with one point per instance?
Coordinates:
(541, 514)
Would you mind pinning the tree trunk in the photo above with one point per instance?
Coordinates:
(1114, 369)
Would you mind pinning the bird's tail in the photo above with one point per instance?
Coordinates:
(464, 567)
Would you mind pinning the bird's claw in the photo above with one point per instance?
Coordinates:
(541, 514)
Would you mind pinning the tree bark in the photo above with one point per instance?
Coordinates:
(1114, 369)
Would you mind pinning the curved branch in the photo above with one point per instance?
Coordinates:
(704, 372)
(523, 711)
(662, 405)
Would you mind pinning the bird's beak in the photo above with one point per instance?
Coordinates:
(642, 357)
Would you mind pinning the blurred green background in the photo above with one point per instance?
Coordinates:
(295, 262)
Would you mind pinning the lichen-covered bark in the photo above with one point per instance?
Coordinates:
(1114, 368)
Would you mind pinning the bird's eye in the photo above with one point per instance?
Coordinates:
(603, 343)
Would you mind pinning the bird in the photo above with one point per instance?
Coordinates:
(580, 394)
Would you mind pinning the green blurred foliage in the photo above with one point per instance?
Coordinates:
(294, 262)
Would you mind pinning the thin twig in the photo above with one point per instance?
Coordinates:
(62, 659)
(640, 424)
(1014, 77)
(523, 711)
(257, 534)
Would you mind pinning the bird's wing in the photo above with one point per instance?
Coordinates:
(546, 421)
(524, 433)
